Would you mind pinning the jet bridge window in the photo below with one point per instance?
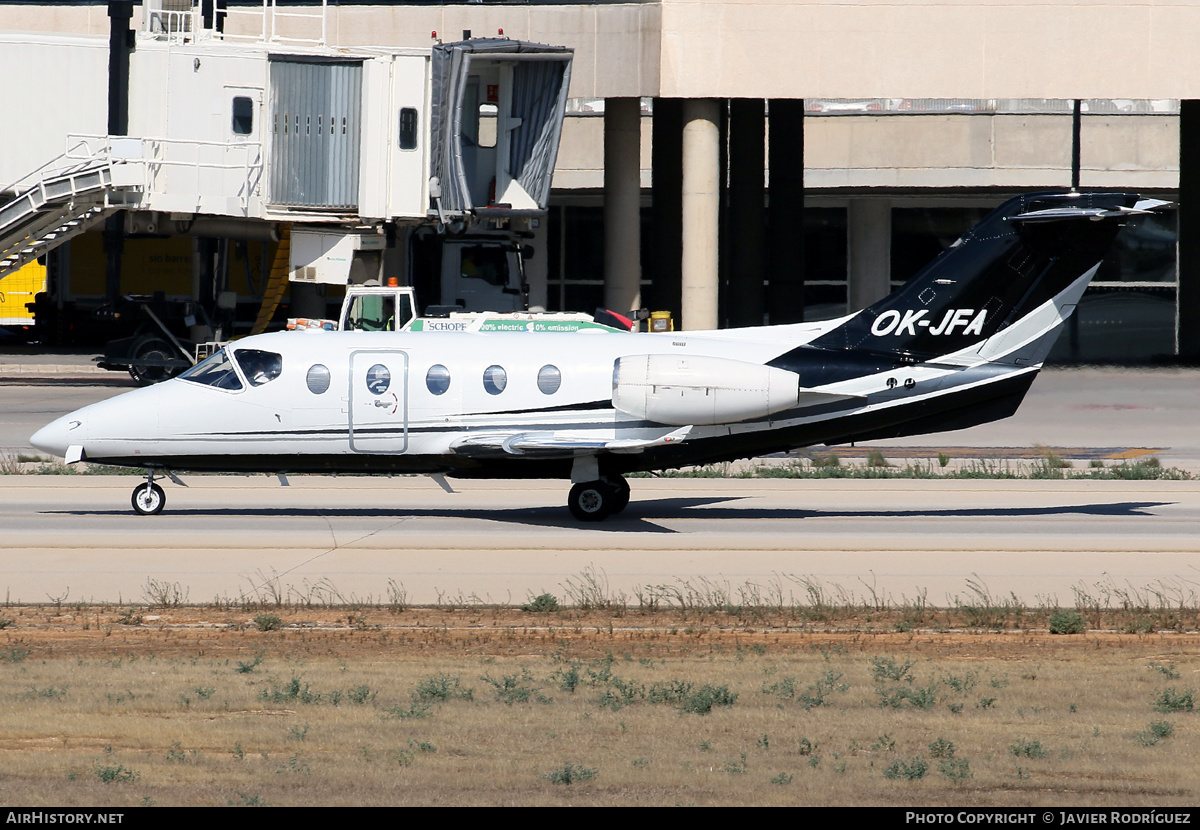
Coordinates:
(216, 370)
(489, 117)
(258, 366)
(408, 128)
(243, 116)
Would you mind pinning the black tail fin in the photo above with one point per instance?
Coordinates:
(1021, 255)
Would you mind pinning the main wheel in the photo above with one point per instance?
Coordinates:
(148, 499)
(152, 348)
(620, 489)
(591, 501)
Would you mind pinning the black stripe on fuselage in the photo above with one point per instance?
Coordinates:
(342, 432)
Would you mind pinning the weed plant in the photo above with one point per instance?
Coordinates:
(1049, 466)
(794, 692)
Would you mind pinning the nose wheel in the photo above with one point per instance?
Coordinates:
(594, 501)
(148, 498)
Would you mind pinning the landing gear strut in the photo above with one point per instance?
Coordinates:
(594, 501)
(148, 498)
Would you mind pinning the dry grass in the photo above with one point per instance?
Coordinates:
(492, 706)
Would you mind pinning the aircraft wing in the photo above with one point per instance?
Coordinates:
(559, 442)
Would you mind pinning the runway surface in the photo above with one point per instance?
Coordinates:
(75, 538)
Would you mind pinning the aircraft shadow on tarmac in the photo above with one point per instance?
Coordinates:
(641, 515)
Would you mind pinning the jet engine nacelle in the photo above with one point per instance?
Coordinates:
(680, 390)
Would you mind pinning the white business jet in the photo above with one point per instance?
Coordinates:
(958, 345)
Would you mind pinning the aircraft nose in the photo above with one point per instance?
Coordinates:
(56, 436)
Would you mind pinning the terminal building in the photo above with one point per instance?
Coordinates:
(745, 161)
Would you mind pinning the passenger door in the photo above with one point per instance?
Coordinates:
(377, 402)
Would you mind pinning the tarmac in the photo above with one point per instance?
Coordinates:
(234, 537)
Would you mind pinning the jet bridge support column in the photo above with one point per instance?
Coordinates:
(622, 204)
(1187, 266)
(120, 12)
(701, 212)
(785, 210)
(666, 170)
(747, 214)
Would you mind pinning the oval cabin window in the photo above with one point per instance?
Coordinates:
(494, 379)
(437, 379)
(549, 379)
(378, 379)
(318, 379)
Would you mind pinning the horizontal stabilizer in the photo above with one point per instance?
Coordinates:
(1055, 214)
(560, 442)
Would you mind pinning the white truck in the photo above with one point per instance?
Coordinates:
(394, 308)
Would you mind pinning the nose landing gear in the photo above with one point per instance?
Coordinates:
(148, 498)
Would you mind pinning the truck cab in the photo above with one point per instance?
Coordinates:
(472, 272)
(377, 308)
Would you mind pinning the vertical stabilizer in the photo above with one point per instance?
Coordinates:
(1024, 254)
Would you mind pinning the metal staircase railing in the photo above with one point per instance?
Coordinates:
(61, 199)
(44, 236)
(183, 21)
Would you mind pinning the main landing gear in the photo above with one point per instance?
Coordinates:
(594, 501)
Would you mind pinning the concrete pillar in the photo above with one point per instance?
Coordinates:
(870, 251)
(785, 211)
(622, 204)
(1187, 265)
(701, 212)
(745, 221)
(666, 223)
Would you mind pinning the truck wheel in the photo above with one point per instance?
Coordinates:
(152, 348)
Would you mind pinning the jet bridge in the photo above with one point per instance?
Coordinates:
(235, 123)
(497, 111)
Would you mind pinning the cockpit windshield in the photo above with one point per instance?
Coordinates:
(215, 370)
(258, 366)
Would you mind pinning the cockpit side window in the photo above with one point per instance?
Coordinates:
(258, 366)
(215, 370)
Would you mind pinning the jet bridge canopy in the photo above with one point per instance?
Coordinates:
(496, 117)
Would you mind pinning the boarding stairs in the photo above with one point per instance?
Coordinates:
(62, 199)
